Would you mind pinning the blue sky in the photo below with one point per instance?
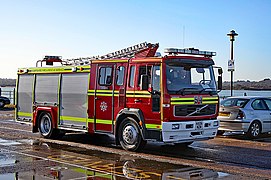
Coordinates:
(31, 29)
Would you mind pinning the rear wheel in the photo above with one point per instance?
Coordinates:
(129, 135)
(46, 126)
(254, 130)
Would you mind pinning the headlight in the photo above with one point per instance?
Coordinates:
(175, 126)
(216, 123)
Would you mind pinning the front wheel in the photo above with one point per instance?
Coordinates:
(254, 130)
(46, 125)
(129, 135)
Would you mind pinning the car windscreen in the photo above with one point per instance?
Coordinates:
(231, 102)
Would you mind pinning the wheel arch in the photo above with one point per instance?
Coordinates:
(260, 123)
(251, 130)
(37, 113)
(134, 113)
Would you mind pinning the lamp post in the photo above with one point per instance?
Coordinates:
(232, 35)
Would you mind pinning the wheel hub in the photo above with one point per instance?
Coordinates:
(255, 130)
(129, 134)
(45, 125)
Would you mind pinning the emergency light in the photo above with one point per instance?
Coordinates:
(192, 51)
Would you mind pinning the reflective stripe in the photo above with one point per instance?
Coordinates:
(182, 99)
(70, 118)
(210, 98)
(189, 101)
(153, 126)
(102, 92)
(143, 94)
(100, 121)
(210, 102)
(25, 114)
(62, 69)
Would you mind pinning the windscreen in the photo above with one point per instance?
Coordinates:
(190, 80)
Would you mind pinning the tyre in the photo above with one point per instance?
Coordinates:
(254, 130)
(220, 132)
(2, 104)
(46, 126)
(129, 135)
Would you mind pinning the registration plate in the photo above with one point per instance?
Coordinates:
(199, 125)
(224, 114)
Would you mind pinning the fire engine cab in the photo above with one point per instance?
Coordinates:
(132, 94)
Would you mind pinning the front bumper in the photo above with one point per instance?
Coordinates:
(234, 125)
(187, 131)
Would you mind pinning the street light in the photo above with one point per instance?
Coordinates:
(232, 35)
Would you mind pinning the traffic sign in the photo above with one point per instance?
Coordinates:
(231, 65)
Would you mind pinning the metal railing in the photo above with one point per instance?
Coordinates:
(9, 94)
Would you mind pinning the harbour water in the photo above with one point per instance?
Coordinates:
(227, 93)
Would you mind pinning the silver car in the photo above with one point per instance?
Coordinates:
(249, 115)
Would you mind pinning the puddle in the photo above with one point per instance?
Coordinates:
(36, 160)
(8, 176)
(5, 142)
(6, 159)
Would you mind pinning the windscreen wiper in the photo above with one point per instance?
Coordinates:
(183, 90)
(204, 90)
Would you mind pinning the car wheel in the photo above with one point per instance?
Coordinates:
(129, 135)
(254, 130)
(220, 132)
(2, 104)
(46, 126)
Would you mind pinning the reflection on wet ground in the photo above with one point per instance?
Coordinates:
(27, 159)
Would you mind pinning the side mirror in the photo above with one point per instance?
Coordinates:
(219, 83)
(144, 82)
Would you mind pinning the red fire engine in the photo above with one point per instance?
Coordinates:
(132, 93)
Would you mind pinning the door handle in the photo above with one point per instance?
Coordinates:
(96, 98)
(138, 100)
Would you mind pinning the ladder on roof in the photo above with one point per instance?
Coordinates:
(139, 50)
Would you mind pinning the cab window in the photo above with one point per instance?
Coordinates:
(120, 76)
(156, 78)
(142, 71)
(105, 76)
(132, 76)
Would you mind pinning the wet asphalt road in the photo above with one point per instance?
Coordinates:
(79, 156)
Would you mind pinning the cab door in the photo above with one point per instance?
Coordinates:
(104, 98)
(148, 100)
